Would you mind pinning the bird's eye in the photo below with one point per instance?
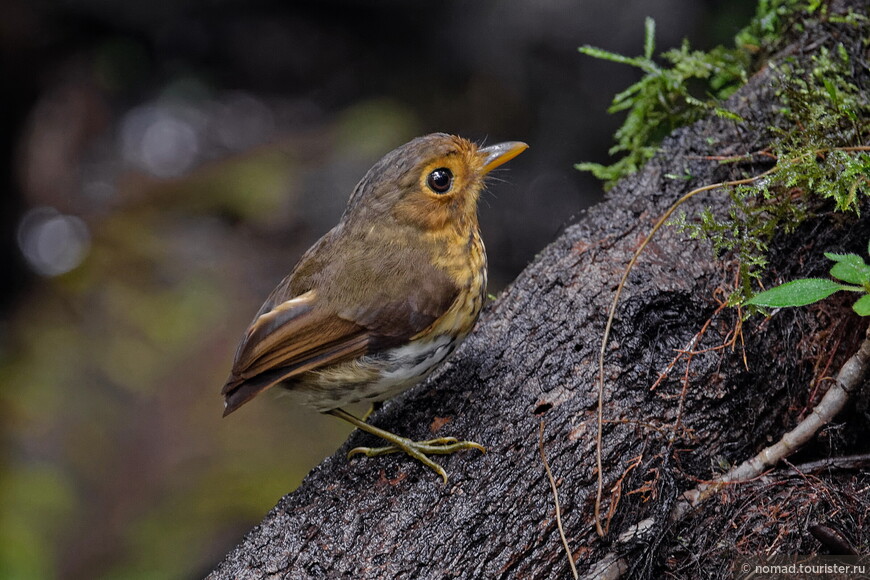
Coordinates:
(440, 180)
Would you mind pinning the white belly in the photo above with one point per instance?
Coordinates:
(374, 378)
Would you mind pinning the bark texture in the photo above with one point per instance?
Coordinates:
(533, 358)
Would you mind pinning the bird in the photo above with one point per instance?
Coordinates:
(384, 297)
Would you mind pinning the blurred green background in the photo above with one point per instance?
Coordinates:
(165, 165)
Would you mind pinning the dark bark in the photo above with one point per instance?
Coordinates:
(533, 358)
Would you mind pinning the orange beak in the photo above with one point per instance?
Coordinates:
(499, 154)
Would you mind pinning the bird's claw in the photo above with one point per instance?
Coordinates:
(419, 450)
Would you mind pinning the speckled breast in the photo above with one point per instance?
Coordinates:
(386, 374)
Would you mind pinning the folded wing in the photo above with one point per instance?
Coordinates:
(297, 335)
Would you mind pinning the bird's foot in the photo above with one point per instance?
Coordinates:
(420, 450)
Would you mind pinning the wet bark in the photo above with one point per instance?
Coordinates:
(533, 359)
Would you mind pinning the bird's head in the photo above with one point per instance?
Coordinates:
(432, 183)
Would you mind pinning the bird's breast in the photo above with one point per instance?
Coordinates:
(383, 375)
(468, 270)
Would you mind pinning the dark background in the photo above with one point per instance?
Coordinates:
(165, 164)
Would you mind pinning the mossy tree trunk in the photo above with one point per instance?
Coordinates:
(533, 359)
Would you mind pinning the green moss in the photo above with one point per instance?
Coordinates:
(766, 33)
(691, 83)
(824, 122)
(824, 115)
(668, 96)
(818, 142)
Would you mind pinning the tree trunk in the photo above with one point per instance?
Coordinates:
(533, 359)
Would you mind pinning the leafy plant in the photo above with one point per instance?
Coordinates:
(818, 146)
(818, 142)
(772, 18)
(850, 272)
(663, 100)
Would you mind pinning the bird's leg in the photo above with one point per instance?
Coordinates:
(416, 449)
(376, 406)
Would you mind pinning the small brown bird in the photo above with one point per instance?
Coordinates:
(385, 296)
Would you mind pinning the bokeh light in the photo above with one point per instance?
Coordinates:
(52, 243)
(161, 140)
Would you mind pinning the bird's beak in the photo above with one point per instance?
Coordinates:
(499, 154)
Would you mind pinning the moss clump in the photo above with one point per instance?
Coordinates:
(820, 153)
(665, 98)
(819, 143)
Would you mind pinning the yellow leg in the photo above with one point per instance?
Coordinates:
(375, 407)
(416, 449)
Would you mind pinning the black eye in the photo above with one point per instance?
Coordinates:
(440, 180)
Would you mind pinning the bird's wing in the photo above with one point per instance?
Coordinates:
(293, 336)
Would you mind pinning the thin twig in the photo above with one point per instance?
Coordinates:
(690, 349)
(850, 377)
(556, 500)
(855, 462)
(661, 221)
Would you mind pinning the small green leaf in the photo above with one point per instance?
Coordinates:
(796, 293)
(832, 92)
(726, 114)
(851, 272)
(649, 40)
(849, 268)
(851, 258)
(645, 64)
(862, 306)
